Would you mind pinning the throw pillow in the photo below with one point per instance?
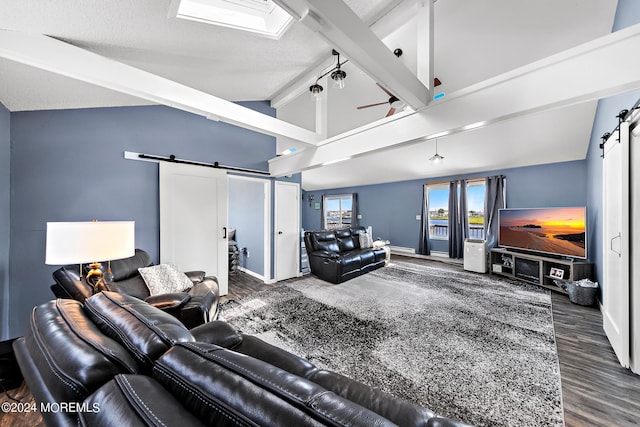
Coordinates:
(365, 240)
(164, 279)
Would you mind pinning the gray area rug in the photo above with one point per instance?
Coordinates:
(465, 345)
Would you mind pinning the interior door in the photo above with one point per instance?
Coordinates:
(615, 304)
(193, 219)
(287, 230)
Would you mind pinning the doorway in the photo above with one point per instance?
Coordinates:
(250, 217)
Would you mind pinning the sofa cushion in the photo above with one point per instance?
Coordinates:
(350, 262)
(367, 257)
(144, 330)
(229, 379)
(399, 411)
(164, 279)
(135, 401)
(325, 241)
(133, 286)
(73, 356)
(345, 240)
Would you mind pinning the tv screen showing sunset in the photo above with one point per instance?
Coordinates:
(560, 231)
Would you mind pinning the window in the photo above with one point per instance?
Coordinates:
(475, 206)
(438, 211)
(261, 17)
(338, 211)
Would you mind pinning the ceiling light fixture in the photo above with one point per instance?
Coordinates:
(436, 158)
(337, 75)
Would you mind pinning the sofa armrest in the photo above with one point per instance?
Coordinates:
(203, 306)
(219, 333)
(169, 301)
(195, 276)
(325, 254)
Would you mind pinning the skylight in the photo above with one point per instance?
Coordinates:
(262, 17)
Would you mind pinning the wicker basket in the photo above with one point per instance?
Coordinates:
(581, 295)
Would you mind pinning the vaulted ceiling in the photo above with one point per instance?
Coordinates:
(521, 78)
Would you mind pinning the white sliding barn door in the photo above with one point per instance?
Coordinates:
(615, 225)
(287, 229)
(193, 219)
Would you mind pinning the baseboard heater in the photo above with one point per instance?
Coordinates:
(399, 250)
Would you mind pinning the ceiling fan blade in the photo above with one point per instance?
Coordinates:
(391, 112)
(372, 105)
(385, 90)
(436, 82)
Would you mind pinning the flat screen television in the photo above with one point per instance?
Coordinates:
(555, 231)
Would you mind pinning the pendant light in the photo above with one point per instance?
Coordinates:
(436, 158)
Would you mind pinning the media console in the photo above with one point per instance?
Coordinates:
(537, 269)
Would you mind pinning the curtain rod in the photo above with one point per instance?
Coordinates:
(172, 159)
(466, 179)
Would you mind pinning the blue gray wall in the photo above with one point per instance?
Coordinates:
(391, 209)
(246, 215)
(68, 165)
(5, 195)
(627, 14)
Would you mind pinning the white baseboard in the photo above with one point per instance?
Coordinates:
(440, 254)
(399, 250)
(253, 274)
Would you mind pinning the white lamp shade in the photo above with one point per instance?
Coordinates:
(86, 242)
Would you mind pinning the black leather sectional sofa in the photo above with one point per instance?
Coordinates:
(336, 255)
(115, 360)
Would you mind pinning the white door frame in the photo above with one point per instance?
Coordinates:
(275, 228)
(267, 226)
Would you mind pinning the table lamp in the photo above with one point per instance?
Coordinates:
(89, 243)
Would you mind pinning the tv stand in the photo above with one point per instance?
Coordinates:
(536, 269)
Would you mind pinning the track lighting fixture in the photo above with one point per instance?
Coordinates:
(337, 75)
(436, 158)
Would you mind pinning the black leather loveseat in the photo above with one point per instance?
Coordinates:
(336, 255)
(194, 306)
(116, 360)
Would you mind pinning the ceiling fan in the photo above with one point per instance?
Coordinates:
(394, 103)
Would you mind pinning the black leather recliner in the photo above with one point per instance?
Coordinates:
(336, 255)
(116, 360)
(195, 306)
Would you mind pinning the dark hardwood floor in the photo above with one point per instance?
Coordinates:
(242, 284)
(596, 390)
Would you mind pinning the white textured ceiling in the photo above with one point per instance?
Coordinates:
(474, 41)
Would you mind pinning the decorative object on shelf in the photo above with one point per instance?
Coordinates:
(436, 158)
(337, 74)
(557, 273)
(507, 261)
(89, 243)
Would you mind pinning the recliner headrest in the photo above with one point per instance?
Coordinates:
(127, 267)
(146, 331)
